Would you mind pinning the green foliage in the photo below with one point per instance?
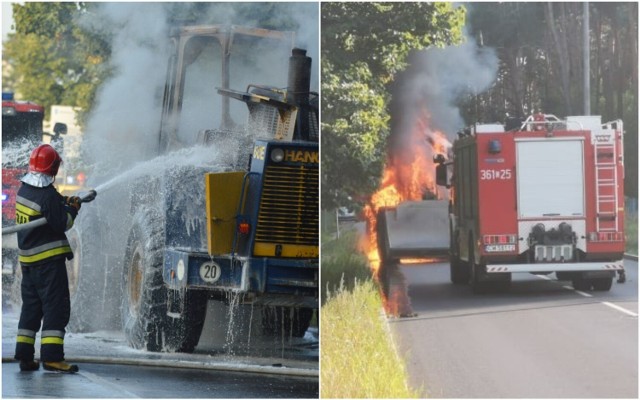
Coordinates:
(61, 51)
(531, 64)
(357, 354)
(55, 61)
(363, 46)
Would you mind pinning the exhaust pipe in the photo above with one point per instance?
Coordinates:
(87, 198)
(298, 87)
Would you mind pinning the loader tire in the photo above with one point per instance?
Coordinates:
(145, 296)
(143, 292)
(182, 333)
(289, 321)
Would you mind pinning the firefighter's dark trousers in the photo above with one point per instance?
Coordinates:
(45, 297)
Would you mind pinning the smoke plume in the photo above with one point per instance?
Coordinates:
(123, 129)
(437, 78)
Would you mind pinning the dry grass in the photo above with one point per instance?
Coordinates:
(358, 359)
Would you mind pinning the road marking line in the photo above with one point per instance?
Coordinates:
(583, 293)
(105, 383)
(566, 286)
(606, 303)
(624, 310)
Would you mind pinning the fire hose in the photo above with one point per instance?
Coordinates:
(87, 198)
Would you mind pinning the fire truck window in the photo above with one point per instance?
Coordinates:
(22, 126)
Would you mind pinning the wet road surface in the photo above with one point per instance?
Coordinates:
(126, 381)
(249, 367)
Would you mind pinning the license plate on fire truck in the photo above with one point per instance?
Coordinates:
(499, 248)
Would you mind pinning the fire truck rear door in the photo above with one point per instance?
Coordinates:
(550, 177)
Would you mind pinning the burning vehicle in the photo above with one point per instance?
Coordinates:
(225, 212)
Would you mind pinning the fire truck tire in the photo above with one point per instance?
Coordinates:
(478, 282)
(580, 283)
(477, 285)
(9, 257)
(286, 320)
(459, 270)
(602, 284)
(15, 296)
(564, 276)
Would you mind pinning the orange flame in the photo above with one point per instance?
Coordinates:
(409, 175)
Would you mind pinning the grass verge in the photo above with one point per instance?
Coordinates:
(357, 354)
(342, 265)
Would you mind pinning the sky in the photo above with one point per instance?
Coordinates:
(7, 19)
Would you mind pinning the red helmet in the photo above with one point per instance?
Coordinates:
(45, 159)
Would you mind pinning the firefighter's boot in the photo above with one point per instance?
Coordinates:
(622, 277)
(60, 366)
(29, 365)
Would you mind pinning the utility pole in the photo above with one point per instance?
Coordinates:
(586, 54)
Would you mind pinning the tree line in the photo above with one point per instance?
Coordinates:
(540, 50)
(58, 56)
(541, 47)
(61, 52)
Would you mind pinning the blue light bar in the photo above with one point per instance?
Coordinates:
(495, 146)
(7, 96)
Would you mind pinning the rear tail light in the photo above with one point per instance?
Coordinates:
(500, 239)
(244, 227)
(606, 236)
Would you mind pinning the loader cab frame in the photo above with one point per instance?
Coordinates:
(190, 102)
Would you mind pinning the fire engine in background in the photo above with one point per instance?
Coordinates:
(21, 122)
(547, 197)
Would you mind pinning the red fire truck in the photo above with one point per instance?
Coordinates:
(544, 197)
(21, 132)
(21, 120)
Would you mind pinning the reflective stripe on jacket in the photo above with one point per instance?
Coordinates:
(43, 243)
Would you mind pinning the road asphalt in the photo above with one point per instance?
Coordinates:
(542, 339)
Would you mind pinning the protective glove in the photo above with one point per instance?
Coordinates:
(74, 201)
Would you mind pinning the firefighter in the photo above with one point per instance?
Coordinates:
(42, 252)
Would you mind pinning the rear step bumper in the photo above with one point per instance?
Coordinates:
(551, 267)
